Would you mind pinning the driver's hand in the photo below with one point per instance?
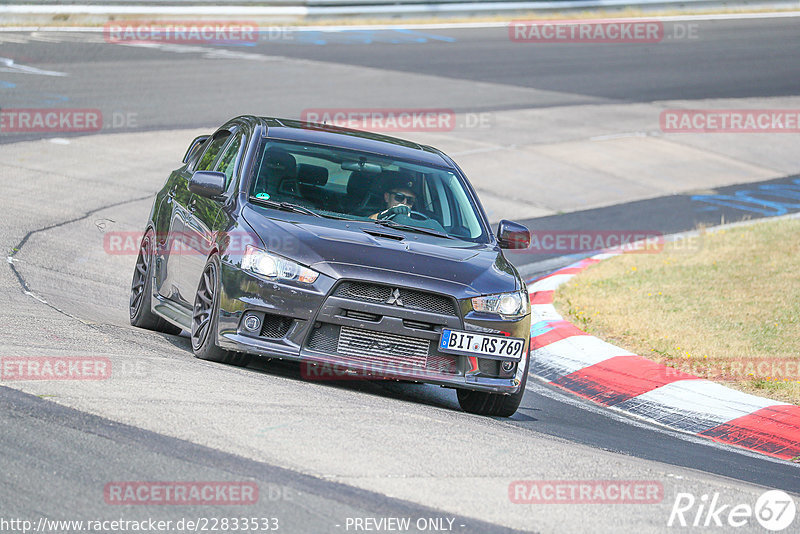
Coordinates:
(400, 209)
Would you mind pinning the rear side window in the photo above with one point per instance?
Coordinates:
(208, 158)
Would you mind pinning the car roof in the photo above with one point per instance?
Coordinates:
(309, 132)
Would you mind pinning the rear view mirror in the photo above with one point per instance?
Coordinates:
(194, 147)
(361, 166)
(208, 184)
(513, 235)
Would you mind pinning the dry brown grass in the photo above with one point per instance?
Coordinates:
(717, 312)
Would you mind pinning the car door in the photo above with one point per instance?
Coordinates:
(201, 220)
(169, 243)
(190, 241)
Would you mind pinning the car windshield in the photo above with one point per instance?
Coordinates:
(335, 182)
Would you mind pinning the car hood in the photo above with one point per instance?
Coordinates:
(343, 249)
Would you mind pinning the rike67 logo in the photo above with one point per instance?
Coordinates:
(774, 510)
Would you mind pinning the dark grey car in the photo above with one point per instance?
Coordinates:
(360, 255)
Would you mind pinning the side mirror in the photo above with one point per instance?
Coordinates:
(207, 183)
(513, 235)
(196, 144)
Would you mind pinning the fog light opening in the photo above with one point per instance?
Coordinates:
(252, 323)
(508, 366)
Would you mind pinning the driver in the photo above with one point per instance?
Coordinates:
(400, 200)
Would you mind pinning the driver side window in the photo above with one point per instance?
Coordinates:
(228, 161)
(206, 162)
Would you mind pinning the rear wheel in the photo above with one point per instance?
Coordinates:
(204, 319)
(482, 403)
(142, 289)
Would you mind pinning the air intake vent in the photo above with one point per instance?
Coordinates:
(419, 325)
(275, 326)
(362, 316)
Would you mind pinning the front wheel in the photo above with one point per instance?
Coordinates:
(495, 404)
(204, 319)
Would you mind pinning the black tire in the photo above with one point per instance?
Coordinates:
(493, 404)
(141, 315)
(204, 319)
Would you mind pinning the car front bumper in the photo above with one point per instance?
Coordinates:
(306, 323)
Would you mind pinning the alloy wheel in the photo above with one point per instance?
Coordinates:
(204, 306)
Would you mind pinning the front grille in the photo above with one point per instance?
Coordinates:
(411, 299)
(389, 350)
(368, 346)
(275, 326)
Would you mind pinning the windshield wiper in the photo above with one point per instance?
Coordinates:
(391, 224)
(285, 206)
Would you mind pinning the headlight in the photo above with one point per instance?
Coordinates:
(275, 267)
(507, 305)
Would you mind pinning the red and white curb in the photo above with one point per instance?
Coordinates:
(565, 356)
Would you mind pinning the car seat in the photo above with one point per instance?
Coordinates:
(278, 173)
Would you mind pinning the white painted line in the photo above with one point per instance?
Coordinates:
(605, 255)
(8, 65)
(549, 283)
(576, 352)
(634, 419)
(544, 312)
(703, 398)
(35, 296)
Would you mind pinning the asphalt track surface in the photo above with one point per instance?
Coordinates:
(90, 447)
(49, 450)
(728, 59)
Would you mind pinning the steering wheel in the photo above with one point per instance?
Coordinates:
(416, 215)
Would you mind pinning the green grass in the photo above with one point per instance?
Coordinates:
(718, 311)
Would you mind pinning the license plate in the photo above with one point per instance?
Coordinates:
(472, 343)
